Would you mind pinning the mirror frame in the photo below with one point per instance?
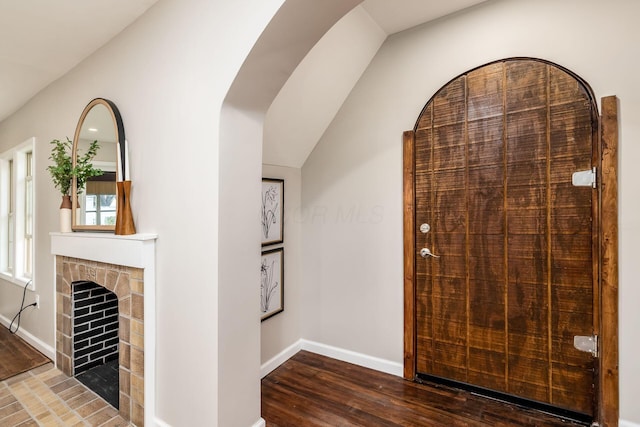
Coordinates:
(119, 129)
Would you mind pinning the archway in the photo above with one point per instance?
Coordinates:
(292, 32)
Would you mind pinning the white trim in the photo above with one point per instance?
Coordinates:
(360, 359)
(136, 250)
(109, 248)
(148, 257)
(160, 423)
(16, 273)
(383, 365)
(280, 358)
(625, 423)
(18, 281)
(37, 343)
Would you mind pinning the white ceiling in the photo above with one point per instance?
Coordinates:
(310, 99)
(398, 15)
(41, 40)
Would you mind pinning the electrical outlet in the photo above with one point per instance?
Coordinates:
(37, 301)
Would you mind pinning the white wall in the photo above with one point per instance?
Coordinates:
(283, 330)
(314, 92)
(352, 181)
(168, 74)
(196, 167)
(238, 247)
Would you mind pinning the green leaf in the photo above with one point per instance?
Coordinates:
(62, 171)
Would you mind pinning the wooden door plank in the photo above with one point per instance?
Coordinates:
(609, 382)
(493, 153)
(409, 254)
(486, 228)
(527, 170)
(571, 144)
(423, 285)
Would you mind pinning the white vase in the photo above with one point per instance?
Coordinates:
(65, 215)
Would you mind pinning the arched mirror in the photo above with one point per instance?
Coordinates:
(95, 201)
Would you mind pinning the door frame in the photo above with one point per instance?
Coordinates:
(607, 409)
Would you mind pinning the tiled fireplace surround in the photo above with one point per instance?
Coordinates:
(128, 285)
(123, 265)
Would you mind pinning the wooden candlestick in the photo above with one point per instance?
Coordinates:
(124, 218)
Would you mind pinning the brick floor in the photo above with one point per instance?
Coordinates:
(46, 397)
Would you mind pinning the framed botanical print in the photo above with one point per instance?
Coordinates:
(271, 283)
(272, 211)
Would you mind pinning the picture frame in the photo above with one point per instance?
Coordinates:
(271, 283)
(272, 212)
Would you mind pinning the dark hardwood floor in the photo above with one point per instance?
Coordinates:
(16, 356)
(312, 390)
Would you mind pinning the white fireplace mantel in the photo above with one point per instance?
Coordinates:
(136, 250)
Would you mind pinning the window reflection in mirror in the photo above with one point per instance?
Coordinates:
(96, 203)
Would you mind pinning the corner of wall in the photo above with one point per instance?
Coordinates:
(279, 331)
(34, 341)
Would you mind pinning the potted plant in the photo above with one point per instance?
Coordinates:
(84, 168)
(62, 173)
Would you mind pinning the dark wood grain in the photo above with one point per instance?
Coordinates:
(311, 390)
(495, 150)
(409, 258)
(16, 356)
(609, 376)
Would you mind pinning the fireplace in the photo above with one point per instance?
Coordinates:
(128, 286)
(124, 267)
(95, 339)
(94, 330)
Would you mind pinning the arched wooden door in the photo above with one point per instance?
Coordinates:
(515, 273)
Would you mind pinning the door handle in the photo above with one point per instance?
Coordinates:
(425, 253)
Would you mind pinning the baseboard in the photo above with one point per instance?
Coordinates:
(279, 359)
(159, 423)
(625, 423)
(34, 341)
(260, 423)
(359, 359)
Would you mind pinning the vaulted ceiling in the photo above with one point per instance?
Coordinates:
(41, 40)
(310, 99)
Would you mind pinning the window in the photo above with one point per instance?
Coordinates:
(10, 219)
(28, 215)
(98, 201)
(17, 213)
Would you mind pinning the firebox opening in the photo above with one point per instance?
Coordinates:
(96, 340)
